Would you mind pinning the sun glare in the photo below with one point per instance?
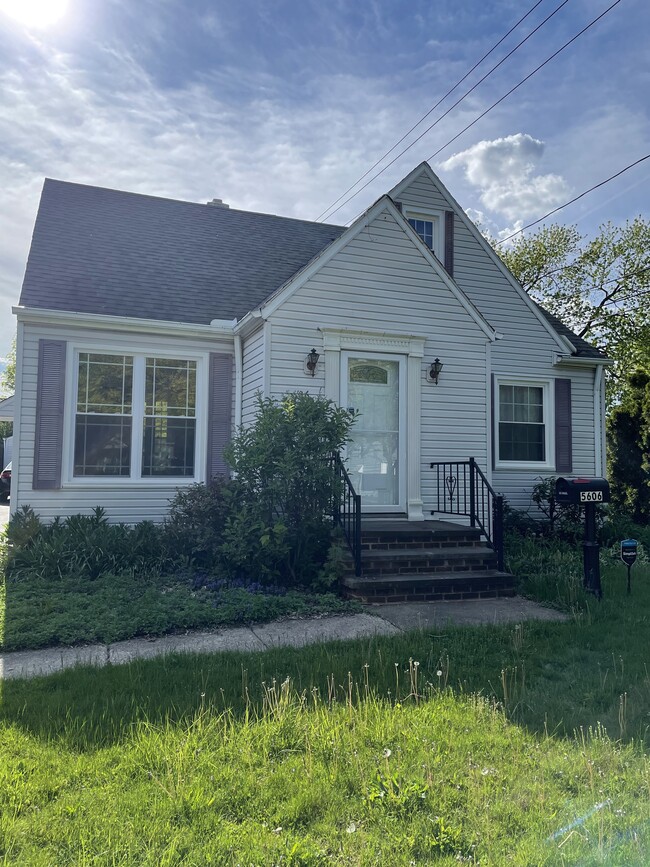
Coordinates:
(34, 13)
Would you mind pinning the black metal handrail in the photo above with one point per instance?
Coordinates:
(346, 510)
(462, 489)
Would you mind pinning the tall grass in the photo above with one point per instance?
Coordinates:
(315, 777)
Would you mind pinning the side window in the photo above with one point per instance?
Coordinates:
(523, 423)
(424, 228)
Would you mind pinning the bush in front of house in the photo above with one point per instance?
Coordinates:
(279, 529)
(271, 525)
(83, 545)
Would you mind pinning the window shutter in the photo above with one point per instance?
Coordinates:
(219, 412)
(50, 399)
(493, 422)
(449, 242)
(563, 433)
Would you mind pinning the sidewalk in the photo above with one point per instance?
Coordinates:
(383, 620)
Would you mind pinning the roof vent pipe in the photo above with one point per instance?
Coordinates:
(218, 203)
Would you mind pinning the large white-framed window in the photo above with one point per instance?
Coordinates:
(135, 417)
(430, 226)
(524, 423)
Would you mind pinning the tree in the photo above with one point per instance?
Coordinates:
(8, 376)
(600, 287)
(628, 429)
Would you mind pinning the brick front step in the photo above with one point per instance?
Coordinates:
(396, 535)
(426, 561)
(489, 583)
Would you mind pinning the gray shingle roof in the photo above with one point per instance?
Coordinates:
(583, 349)
(96, 250)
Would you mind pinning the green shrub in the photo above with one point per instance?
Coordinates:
(196, 522)
(83, 545)
(280, 529)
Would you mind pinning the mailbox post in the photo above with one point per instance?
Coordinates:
(587, 493)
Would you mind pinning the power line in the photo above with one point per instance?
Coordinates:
(443, 115)
(494, 104)
(433, 108)
(575, 198)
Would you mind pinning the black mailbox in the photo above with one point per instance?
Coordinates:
(580, 491)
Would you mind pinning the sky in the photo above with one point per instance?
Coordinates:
(280, 106)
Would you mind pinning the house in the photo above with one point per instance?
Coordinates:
(147, 326)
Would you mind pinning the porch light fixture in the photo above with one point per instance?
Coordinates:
(435, 370)
(311, 361)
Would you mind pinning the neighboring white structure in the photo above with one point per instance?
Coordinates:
(146, 328)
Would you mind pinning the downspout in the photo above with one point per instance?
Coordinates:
(598, 422)
(239, 380)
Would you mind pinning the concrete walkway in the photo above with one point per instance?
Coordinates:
(384, 620)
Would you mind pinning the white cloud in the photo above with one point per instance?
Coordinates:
(266, 153)
(504, 172)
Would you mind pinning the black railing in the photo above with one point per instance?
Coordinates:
(347, 510)
(462, 489)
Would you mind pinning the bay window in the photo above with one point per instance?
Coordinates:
(135, 416)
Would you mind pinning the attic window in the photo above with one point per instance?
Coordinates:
(430, 227)
(424, 228)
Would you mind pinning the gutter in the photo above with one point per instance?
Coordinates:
(221, 327)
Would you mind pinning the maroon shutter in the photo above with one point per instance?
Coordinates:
(563, 433)
(449, 242)
(493, 422)
(50, 399)
(219, 412)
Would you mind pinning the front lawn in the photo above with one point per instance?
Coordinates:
(523, 744)
(39, 612)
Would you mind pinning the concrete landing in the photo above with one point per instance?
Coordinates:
(469, 612)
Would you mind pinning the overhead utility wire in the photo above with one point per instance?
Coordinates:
(524, 80)
(575, 199)
(494, 104)
(445, 113)
(433, 108)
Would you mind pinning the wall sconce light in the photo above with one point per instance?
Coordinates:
(311, 361)
(435, 370)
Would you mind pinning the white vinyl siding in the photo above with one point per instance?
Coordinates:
(128, 501)
(381, 282)
(252, 374)
(526, 347)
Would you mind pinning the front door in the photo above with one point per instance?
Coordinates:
(373, 385)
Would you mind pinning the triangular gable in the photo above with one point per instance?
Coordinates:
(425, 169)
(385, 203)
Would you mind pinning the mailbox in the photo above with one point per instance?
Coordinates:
(579, 492)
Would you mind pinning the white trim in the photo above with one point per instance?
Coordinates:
(488, 413)
(337, 338)
(425, 169)
(403, 416)
(599, 463)
(14, 496)
(267, 348)
(121, 323)
(385, 204)
(549, 422)
(581, 361)
(437, 219)
(135, 480)
(336, 341)
(239, 380)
